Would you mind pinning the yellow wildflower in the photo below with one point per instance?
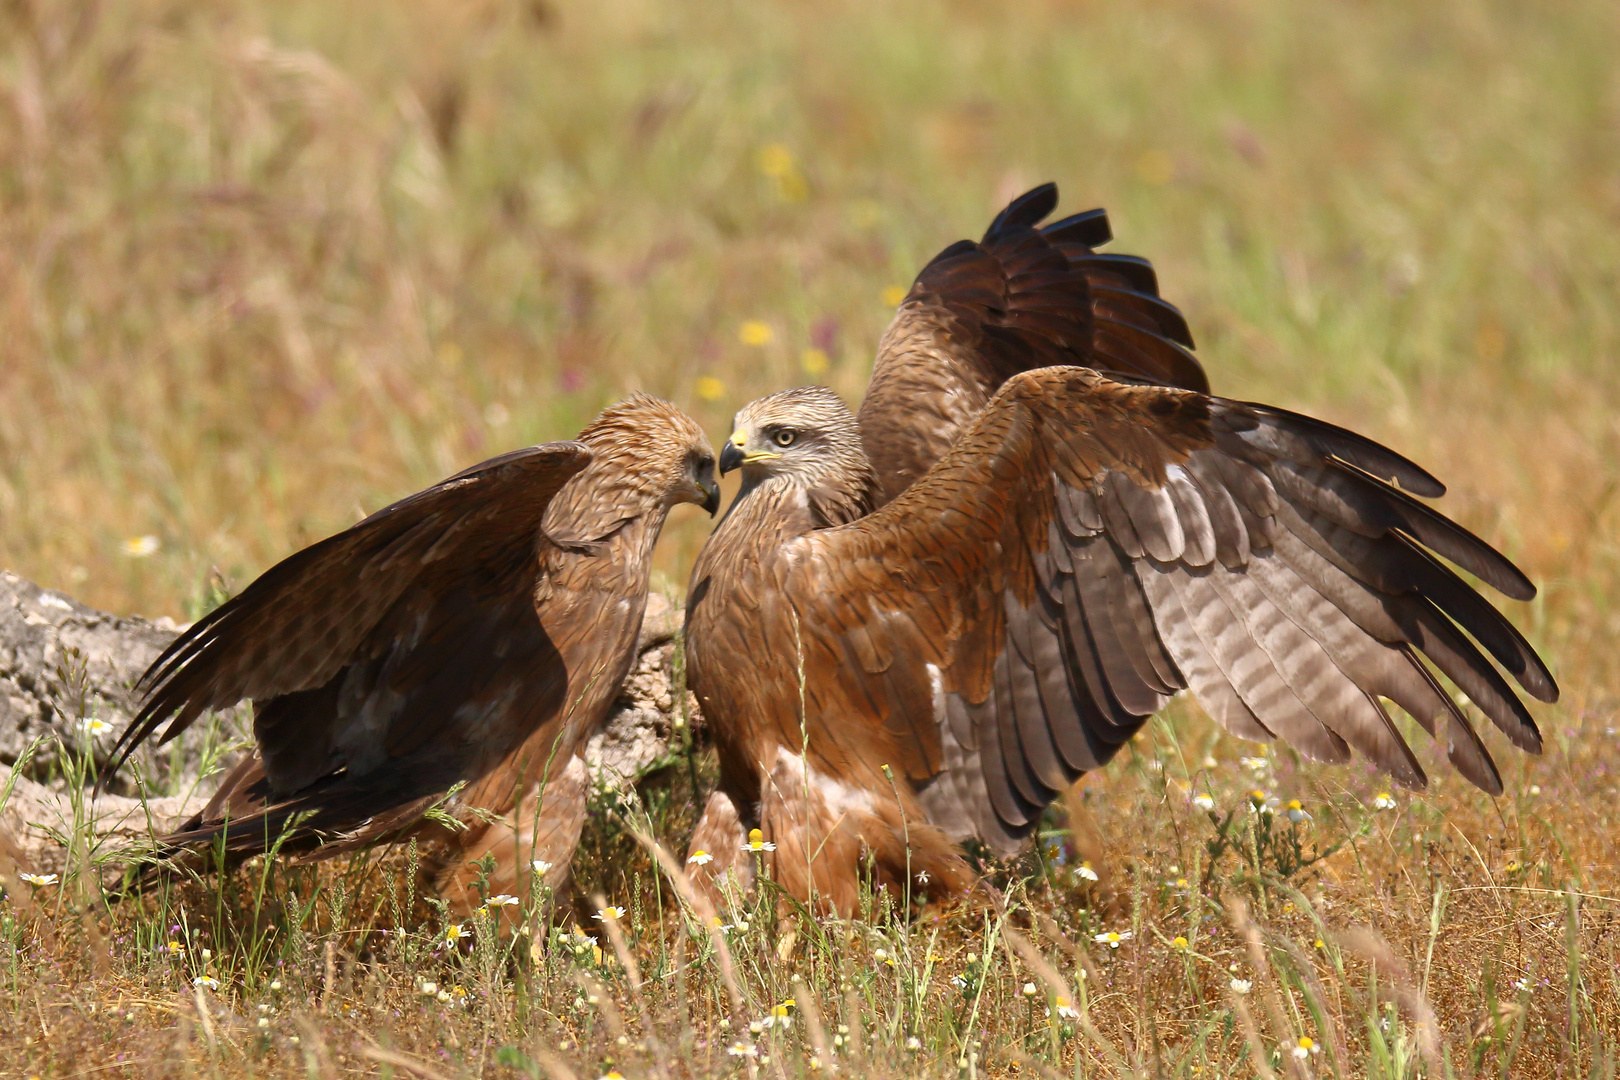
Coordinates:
(775, 160)
(1155, 167)
(756, 333)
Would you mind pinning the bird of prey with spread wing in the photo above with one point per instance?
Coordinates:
(475, 633)
(920, 625)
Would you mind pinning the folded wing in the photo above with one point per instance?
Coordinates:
(1088, 548)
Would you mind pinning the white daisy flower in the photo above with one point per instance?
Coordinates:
(206, 982)
(1241, 986)
(1086, 871)
(541, 867)
(1204, 801)
(139, 547)
(701, 857)
(757, 842)
(779, 1016)
(610, 914)
(1066, 1009)
(1112, 938)
(1296, 811)
(38, 880)
(502, 900)
(1384, 801)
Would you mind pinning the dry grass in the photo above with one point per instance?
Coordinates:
(264, 267)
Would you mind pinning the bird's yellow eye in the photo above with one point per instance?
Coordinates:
(784, 437)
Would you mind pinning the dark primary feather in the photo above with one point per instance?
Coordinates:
(1074, 537)
(1023, 297)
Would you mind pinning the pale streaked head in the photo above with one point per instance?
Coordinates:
(804, 433)
(808, 439)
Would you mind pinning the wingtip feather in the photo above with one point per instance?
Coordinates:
(1026, 211)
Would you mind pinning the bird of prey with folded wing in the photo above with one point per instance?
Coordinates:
(921, 624)
(473, 634)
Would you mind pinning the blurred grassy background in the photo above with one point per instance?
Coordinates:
(265, 267)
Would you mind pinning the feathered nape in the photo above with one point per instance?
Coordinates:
(628, 424)
(637, 447)
(849, 494)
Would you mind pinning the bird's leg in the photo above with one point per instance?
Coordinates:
(718, 849)
(532, 844)
(821, 826)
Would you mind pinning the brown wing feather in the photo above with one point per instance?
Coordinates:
(1088, 547)
(1023, 297)
(318, 612)
(386, 663)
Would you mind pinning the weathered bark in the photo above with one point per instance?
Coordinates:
(67, 674)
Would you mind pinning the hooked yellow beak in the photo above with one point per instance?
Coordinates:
(733, 455)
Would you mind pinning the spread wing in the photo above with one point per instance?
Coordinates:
(1088, 548)
(385, 658)
(1024, 297)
